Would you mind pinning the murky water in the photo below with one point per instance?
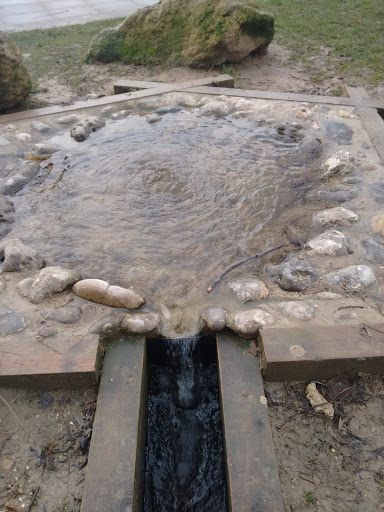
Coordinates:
(163, 207)
(184, 454)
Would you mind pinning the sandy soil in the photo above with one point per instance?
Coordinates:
(44, 440)
(270, 70)
(330, 465)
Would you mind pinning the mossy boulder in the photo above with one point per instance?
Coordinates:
(196, 33)
(15, 83)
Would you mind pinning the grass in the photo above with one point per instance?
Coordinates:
(59, 51)
(350, 30)
(310, 497)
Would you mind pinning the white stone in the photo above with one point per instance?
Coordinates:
(340, 163)
(213, 318)
(214, 108)
(299, 310)
(335, 216)
(329, 243)
(47, 282)
(248, 289)
(102, 292)
(353, 278)
(72, 118)
(140, 323)
(153, 118)
(247, 323)
(24, 137)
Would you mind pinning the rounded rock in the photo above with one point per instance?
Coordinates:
(64, 315)
(214, 108)
(299, 310)
(102, 292)
(353, 278)
(47, 282)
(330, 243)
(248, 289)
(213, 319)
(11, 322)
(17, 257)
(335, 216)
(140, 323)
(377, 223)
(248, 323)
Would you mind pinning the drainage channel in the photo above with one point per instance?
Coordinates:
(181, 426)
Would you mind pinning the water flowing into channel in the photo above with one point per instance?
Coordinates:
(184, 454)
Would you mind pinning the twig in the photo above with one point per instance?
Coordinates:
(33, 499)
(373, 329)
(341, 392)
(11, 507)
(17, 418)
(232, 267)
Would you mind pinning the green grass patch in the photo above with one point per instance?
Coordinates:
(59, 51)
(352, 30)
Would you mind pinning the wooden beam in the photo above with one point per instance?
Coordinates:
(123, 86)
(52, 363)
(253, 481)
(108, 100)
(307, 353)
(114, 478)
(370, 118)
(287, 96)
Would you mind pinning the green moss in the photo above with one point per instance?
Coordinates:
(107, 46)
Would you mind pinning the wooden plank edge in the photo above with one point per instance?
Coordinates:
(51, 381)
(273, 477)
(370, 118)
(284, 96)
(107, 100)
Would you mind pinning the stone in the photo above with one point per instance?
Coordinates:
(244, 105)
(7, 464)
(303, 113)
(153, 118)
(105, 324)
(17, 257)
(213, 318)
(2, 286)
(13, 184)
(377, 223)
(121, 114)
(340, 163)
(374, 251)
(365, 145)
(328, 296)
(30, 169)
(334, 216)
(46, 332)
(11, 322)
(337, 196)
(248, 323)
(352, 180)
(248, 289)
(64, 315)
(47, 282)
(3, 141)
(215, 108)
(83, 129)
(45, 149)
(140, 323)
(24, 137)
(15, 83)
(102, 292)
(299, 310)
(294, 275)
(338, 132)
(40, 127)
(345, 114)
(330, 243)
(173, 109)
(72, 118)
(312, 148)
(344, 314)
(353, 278)
(295, 235)
(377, 191)
(186, 33)
(7, 216)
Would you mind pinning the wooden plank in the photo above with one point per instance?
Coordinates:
(370, 118)
(122, 86)
(287, 96)
(307, 353)
(253, 481)
(52, 363)
(114, 477)
(107, 100)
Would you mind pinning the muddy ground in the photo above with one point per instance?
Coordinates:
(44, 440)
(273, 69)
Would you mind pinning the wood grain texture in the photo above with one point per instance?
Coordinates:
(52, 362)
(108, 100)
(308, 353)
(370, 118)
(287, 96)
(114, 474)
(253, 481)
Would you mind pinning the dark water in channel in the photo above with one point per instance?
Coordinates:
(184, 455)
